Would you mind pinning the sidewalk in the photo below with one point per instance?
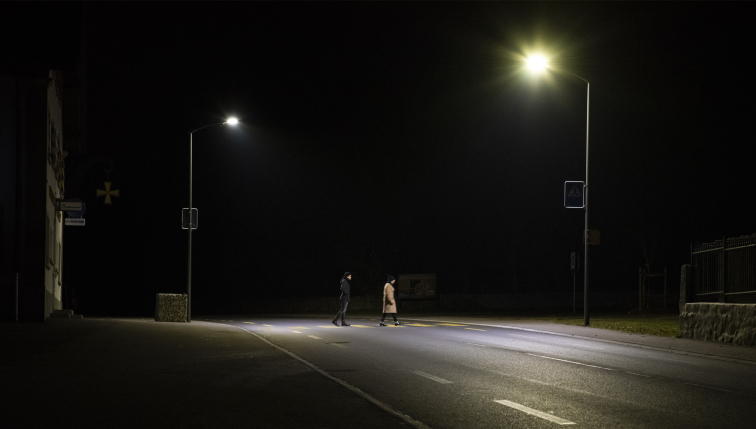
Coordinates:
(725, 351)
(138, 373)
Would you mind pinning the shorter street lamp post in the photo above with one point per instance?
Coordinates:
(536, 64)
(230, 121)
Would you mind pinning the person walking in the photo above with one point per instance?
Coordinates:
(389, 303)
(344, 298)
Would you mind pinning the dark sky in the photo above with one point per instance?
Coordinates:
(388, 138)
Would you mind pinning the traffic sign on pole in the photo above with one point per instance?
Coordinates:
(185, 218)
(574, 195)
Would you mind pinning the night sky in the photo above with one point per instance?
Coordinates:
(388, 138)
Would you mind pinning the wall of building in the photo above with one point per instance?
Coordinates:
(55, 191)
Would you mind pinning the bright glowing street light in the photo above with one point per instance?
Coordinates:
(229, 121)
(537, 63)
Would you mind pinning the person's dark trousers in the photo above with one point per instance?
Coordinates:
(384, 316)
(341, 314)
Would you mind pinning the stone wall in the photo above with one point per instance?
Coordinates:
(170, 307)
(727, 323)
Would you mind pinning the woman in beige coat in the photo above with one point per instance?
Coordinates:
(389, 303)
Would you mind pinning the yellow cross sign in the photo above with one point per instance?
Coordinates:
(107, 193)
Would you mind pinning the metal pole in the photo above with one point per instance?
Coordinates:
(586, 321)
(189, 265)
(723, 271)
(640, 288)
(574, 299)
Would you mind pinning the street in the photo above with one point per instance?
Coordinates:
(456, 375)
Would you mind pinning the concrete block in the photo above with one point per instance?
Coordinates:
(55, 315)
(171, 307)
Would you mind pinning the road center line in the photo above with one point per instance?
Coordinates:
(532, 412)
(715, 388)
(473, 329)
(251, 323)
(569, 361)
(590, 347)
(674, 360)
(523, 336)
(432, 377)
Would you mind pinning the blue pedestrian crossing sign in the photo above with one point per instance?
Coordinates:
(574, 195)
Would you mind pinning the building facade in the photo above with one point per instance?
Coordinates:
(33, 181)
(41, 120)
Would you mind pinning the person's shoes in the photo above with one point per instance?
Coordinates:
(334, 322)
(397, 323)
(344, 323)
(382, 324)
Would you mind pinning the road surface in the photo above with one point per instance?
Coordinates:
(457, 375)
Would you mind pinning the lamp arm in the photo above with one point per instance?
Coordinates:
(573, 74)
(205, 126)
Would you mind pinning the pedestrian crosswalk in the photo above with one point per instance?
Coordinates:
(298, 329)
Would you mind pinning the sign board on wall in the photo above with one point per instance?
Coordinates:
(70, 205)
(417, 286)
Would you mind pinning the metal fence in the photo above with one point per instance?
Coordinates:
(725, 270)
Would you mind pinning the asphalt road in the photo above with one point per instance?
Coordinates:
(457, 375)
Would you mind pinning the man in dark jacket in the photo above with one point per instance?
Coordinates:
(344, 298)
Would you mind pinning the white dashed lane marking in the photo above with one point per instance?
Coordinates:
(569, 361)
(296, 332)
(313, 336)
(473, 329)
(550, 417)
(432, 377)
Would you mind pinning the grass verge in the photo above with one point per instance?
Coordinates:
(663, 326)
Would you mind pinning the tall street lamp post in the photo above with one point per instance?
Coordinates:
(230, 121)
(538, 63)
